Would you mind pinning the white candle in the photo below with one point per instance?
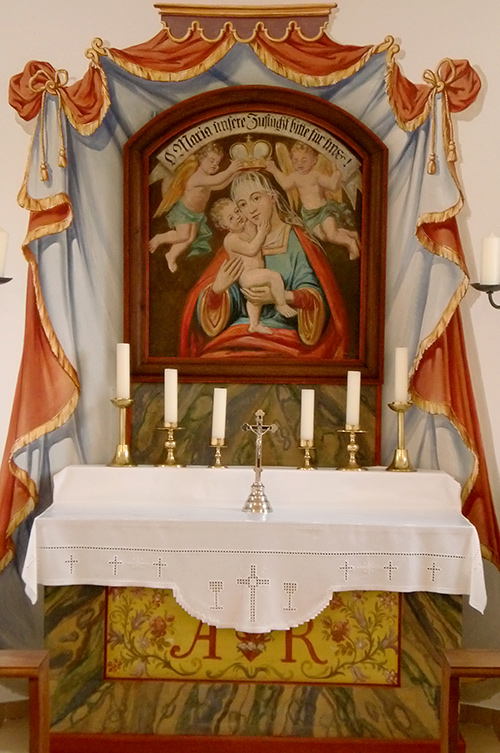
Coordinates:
(170, 388)
(353, 398)
(490, 260)
(307, 416)
(401, 376)
(219, 413)
(3, 250)
(123, 370)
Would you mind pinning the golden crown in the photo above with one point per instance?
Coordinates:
(253, 154)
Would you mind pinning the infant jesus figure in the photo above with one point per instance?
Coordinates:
(244, 241)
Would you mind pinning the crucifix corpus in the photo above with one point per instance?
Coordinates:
(257, 501)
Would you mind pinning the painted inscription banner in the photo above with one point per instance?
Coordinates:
(355, 640)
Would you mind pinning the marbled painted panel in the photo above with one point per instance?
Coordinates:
(83, 702)
(281, 404)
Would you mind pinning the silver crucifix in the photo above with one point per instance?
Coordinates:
(257, 501)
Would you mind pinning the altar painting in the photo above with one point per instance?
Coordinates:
(354, 641)
(256, 240)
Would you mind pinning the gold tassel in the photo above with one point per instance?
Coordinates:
(44, 173)
(438, 86)
(63, 162)
(40, 82)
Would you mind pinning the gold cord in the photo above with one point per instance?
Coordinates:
(42, 83)
(438, 86)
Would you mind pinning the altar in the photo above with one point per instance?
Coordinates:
(183, 529)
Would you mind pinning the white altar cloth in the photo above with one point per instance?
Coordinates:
(184, 529)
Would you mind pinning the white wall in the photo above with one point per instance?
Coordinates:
(59, 31)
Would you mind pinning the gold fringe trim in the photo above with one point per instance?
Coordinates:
(431, 218)
(8, 557)
(445, 252)
(30, 504)
(436, 333)
(405, 125)
(152, 75)
(307, 80)
(52, 339)
(451, 255)
(39, 205)
(444, 410)
(30, 204)
(53, 423)
(87, 129)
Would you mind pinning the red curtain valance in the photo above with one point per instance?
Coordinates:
(312, 63)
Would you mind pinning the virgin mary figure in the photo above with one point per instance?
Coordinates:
(215, 321)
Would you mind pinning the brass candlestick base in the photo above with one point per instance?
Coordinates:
(169, 461)
(122, 458)
(352, 448)
(401, 461)
(218, 444)
(307, 445)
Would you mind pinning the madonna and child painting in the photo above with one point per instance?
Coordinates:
(254, 239)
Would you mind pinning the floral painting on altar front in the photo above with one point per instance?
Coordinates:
(354, 641)
(256, 240)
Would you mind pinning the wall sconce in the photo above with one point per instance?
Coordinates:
(489, 289)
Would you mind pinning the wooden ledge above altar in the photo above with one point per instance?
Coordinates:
(184, 529)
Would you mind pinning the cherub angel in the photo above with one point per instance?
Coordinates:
(185, 201)
(314, 182)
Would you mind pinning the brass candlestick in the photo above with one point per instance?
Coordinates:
(401, 460)
(218, 444)
(352, 448)
(122, 458)
(307, 445)
(170, 461)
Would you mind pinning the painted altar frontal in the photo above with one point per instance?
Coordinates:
(355, 640)
(404, 707)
